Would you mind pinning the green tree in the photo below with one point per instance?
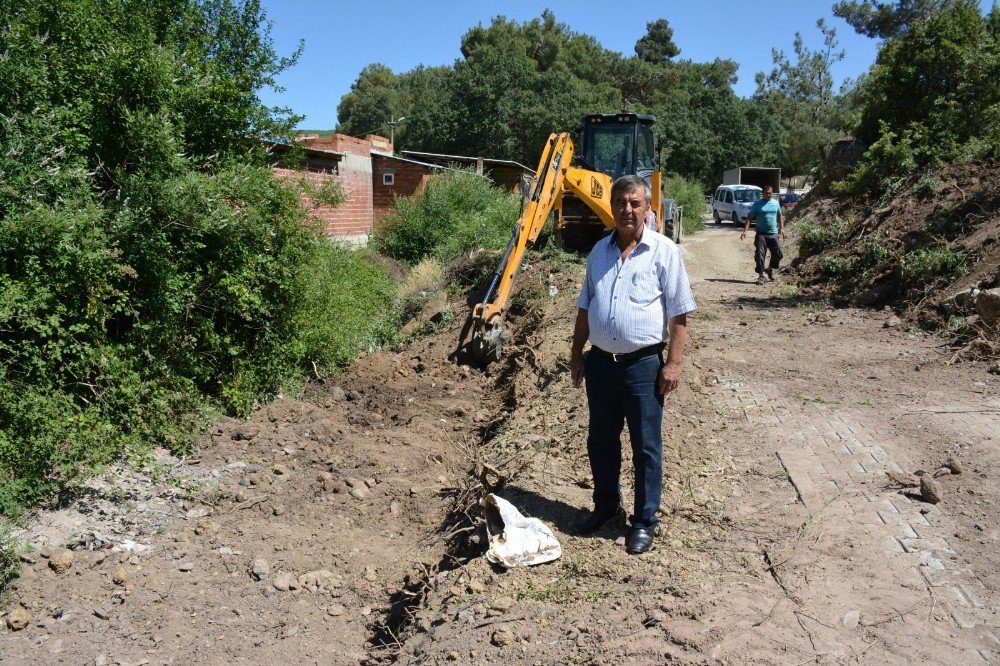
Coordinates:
(657, 45)
(373, 98)
(883, 20)
(801, 95)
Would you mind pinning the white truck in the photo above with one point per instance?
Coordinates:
(740, 188)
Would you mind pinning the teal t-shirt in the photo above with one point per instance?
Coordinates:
(765, 214)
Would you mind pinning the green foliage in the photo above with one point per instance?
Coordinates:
(802, 97)
(836, 267)
(874, 255)
(455, 213)
(150, 265)
(885, 19)
(347, 295)
(518, 82)
(925, 265)
(815, 238)
(931, 98)
(885, 164)
(687, 193)
(9, 568)
(657, 45)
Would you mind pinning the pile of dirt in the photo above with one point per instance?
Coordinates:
(936, 237)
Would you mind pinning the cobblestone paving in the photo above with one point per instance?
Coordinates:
(831, 453)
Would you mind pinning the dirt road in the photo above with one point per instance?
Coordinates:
(336, 528)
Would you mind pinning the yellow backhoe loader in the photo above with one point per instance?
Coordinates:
(612, 146)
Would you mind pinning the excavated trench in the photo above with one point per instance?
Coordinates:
(462, 530)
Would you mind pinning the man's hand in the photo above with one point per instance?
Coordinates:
(743, 235)
(576, 369)
(670, 377)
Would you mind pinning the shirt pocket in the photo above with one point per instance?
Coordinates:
(645, 287)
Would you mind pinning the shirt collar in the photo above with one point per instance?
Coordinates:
(645, 239)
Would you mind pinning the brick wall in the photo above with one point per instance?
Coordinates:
(408, 178)
(352, 219)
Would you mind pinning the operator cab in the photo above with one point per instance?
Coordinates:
(618, 144)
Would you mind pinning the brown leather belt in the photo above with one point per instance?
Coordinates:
(630, 356)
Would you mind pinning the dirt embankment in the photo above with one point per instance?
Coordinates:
(341, 527)
(936, 236)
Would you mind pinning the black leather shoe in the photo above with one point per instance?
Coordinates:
(640, 540)
(597, 519)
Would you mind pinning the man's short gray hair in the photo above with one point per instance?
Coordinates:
(630, 183)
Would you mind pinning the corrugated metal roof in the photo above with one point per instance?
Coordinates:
(465, 159)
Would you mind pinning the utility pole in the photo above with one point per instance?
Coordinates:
(392, 129)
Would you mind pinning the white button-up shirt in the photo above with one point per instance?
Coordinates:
(629, 302)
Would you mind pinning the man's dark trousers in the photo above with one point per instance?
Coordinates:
(763, 243)
(618, 393)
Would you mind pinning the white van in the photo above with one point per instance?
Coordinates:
(732, 202)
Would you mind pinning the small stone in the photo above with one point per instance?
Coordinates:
(338, 394)
(280, 470)
(502, 637)
(283, 582)
(476, 587)
(186, 566)
(353, 483)
(18, 619)
(394, 508)
(852, 618)
(197, 512)
(371, 482)
(28, 558)
(120, 576)
(329, 485)
(102, 613)
(620, 541)
(892, 322)
(261, 569)
(335, 610)
(370, 574)
(359, 493)
(46, 551)
(61, 561)
(278, 509)
(930, 491)
(953, 466)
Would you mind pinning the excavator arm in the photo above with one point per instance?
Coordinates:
(553, 178)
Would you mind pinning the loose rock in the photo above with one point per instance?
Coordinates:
(851, 619)
(120, 576)
(61, 561)
(283, 582)
(502, 637)
(18, 619)
(930, 491)
(261, 569)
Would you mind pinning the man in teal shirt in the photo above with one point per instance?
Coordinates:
(770, 230)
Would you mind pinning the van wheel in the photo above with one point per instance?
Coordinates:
(736, 218)
(715, 216)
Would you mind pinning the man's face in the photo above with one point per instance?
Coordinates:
(629, 208)
(767, 194)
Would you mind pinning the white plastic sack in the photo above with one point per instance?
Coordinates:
(514, 539)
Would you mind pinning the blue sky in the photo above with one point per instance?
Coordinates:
(342, 37)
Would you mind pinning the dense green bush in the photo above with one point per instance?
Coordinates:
(151, 268)
(456, 212)
(932, 96)
(687, 193)
(925, 265)
(815, 237)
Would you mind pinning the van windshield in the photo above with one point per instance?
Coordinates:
(746, 196)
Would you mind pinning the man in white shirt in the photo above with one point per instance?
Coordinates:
(633, 304)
